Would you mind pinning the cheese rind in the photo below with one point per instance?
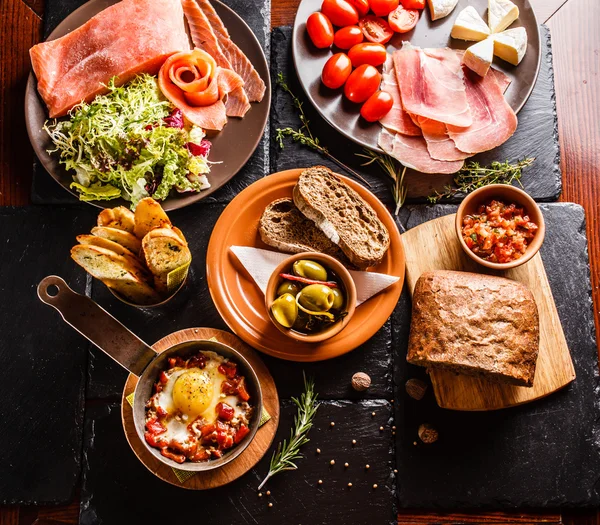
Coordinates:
(470, 26)
(441, 8)
(501, 13)
(511, 45)
(479, 56)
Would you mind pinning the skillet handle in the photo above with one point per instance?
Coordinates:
(96, 325)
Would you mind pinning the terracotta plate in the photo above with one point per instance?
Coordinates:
(344, 116)
(245, 133)
(241, 303)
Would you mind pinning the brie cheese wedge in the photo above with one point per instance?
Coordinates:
(470, 26)
(510, 45)
(441, 8)
(501, 13)
(478, 57)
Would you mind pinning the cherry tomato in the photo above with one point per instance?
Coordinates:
(367, 53)
(362, 6)
(340, 12)
(362, 83)
(377, 106)
(383, 7)
(413, 4)
(320, 30)
(347, 37)
(336, 71)
(375, 29)
(403, 20)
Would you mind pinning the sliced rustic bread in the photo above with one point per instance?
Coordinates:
(122, 237)
(285, 228)
(164, 251)
(120, 218)
(343, 215)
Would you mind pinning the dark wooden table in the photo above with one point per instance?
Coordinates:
(575, 26)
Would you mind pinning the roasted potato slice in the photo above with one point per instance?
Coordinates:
(125, 239)
(120, 218)
(149, 215)
(164, 251)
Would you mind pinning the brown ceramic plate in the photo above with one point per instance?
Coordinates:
(241, 303)
(232, 147)
(344, 116)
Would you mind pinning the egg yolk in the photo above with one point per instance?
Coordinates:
(193, 392)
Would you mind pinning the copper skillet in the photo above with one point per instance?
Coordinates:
(108, 334)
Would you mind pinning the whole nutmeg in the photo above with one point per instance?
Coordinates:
(361, 381)
(416, 388)
(427, 433)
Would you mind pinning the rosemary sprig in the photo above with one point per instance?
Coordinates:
(304, 135)
(390, 167)
(473, 176)
(289, 451)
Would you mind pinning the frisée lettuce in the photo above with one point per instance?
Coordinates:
(130, 143)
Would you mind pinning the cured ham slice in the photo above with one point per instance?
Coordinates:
(439, 144)
(203, 37)
(397, 120)
(431, 84)
(494, 121)
(253, 84)
(128, 38)
(412, 152)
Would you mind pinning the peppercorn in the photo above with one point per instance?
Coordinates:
(320, 482)
(332, 424)
(427, 433)
(375, 485)
(361, 381)
(416, 388)
(346, 465)
(318, 451)
(349, 485)
(332, 462)
(270, 504)
(353, 442)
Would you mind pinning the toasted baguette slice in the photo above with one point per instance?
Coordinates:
(285, 228)
(125, 239)
(343, 215)
(112, 246)
(120, 218)
(149, 215)
(116, 272)
(164, 251)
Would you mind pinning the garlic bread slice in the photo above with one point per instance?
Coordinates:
(125, 239)
(149, 215)
(120, 218)
(113, 247)
(164, 251)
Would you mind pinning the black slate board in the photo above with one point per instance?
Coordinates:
(536, 135)
(117, 488)
(542, 454)
(46, 191)
(42, 359)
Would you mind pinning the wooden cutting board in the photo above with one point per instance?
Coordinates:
(434, 246)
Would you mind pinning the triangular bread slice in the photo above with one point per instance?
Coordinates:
(125, 239)
(164, 251)
(120, 218)
(149, 215)
(343, 215)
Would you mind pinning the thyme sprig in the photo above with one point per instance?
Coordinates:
(304, 135)
(392, 169)
(473, 176)
(289, 451)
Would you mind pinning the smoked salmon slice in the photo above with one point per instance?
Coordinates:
(124, 40)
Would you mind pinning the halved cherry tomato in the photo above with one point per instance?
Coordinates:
(403, 20)
(362, 83)
(336, 71)
(320, 30)
(377, 106)
(340, 12)
(413, 4)
(362, 6)
(383, 7)
(367, 53)
(347, 37)
(375, 29)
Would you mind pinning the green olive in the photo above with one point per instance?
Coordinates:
(285, 310)
(288, 287)
(339, 300)
(309, 270)
(316, 297)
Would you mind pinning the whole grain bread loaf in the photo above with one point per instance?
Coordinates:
(285, 228)
(343, 215)
(475, 324)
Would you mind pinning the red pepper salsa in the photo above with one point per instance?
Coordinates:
(498, 232)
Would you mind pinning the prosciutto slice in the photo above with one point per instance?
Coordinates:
(431, 84)
(494, 121)
(412, 153)
(439, 144)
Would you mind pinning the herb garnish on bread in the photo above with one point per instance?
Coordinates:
(343, 216)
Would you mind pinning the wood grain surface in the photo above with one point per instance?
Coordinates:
(576, 44)
(435, 246)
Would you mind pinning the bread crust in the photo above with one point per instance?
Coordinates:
(475, 324)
